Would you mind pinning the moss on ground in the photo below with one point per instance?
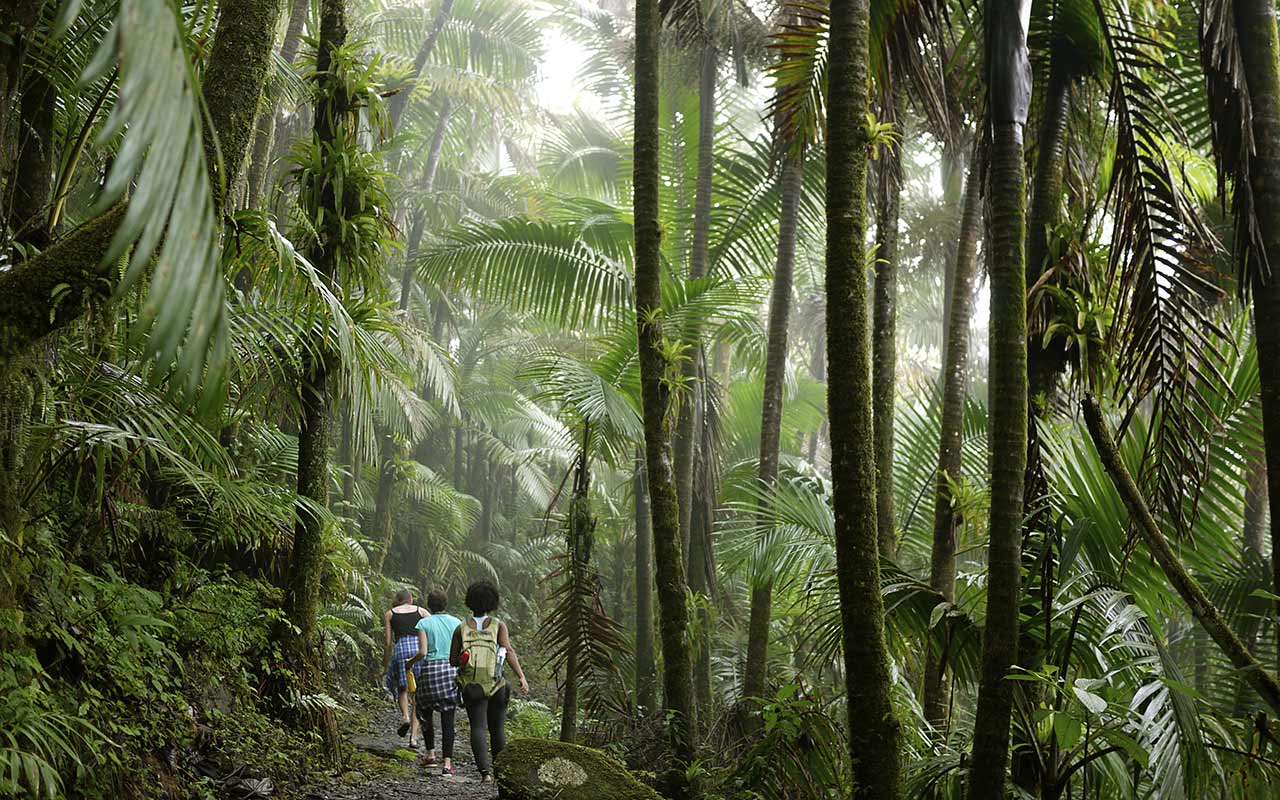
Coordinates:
(540, 769)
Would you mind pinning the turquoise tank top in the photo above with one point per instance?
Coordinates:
(439, 628)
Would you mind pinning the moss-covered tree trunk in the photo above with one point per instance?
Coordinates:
(302, 597)
(1009, 90)
(873, 728)
(884, 341)
(1045, 365)
(692, 404)
(955, 381)
(646, 661)
(234, 79)
(655, 398)
(1260, 50)
(32, 187)
(756, 672)
(233, 85)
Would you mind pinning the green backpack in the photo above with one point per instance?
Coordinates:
(481, 668)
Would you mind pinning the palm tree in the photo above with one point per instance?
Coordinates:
(646, 663)
(873, 727)
(955, 378)
(1241, 37)
(884, 326)
(755, 674)
(655, 356)
(1009, 91)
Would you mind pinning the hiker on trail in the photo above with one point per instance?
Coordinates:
(481, 650)
(403, 642)
(438, 684)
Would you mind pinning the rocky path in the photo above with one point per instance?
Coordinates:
(404, 776)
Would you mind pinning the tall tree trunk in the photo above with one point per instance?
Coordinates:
(954, 170)
(428, 186)
(884, 340)
(873, 728)
(1262, 680)
(580, 533)
(1009, 87)
(756, 672)
(1045, 365)
(655, 398)
(646, 662)
(1256, 509)
(691, 405)
(250, 27)
(702, 562)
(1260, 51)
(302, 596)
(18, 18)
(33, 183)
(1253, 538)
(400, 100)
(1044, 368)
(264, 139)
(955, 381)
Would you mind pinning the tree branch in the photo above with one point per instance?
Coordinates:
(1207, 614)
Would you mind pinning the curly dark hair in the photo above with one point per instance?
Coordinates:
(437, 600)
(482, 597)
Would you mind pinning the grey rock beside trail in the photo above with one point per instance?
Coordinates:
(539, 769)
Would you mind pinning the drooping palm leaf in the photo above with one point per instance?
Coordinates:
(161, 166)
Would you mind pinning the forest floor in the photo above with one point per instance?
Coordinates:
(400, 773)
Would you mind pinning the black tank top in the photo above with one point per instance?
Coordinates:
(404, 623)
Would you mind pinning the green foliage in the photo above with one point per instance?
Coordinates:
(800, 754)
(530, 719)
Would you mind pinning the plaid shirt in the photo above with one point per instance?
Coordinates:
(438, 688)
(406, 648)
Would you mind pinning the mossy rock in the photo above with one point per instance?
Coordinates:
(540, 769)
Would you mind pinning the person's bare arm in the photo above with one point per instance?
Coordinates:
(386, 633)
(504, 640)
(455, 649)
(422, 649)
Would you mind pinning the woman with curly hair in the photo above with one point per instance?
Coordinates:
(481, 650)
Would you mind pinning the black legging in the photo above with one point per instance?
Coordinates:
(487, 714)
(446, 730)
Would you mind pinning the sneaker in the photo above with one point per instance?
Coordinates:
(448, 772)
